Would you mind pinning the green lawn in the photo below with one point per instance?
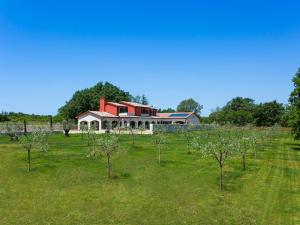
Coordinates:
(66, 187)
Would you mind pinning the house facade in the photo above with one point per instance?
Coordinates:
(112, 115)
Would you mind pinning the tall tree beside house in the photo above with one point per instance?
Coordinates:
(136, 99)
(189, 105)
(295, 105)
(88, 99)
(140, 99)
(144, 100)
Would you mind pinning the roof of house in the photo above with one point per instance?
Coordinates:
(97, 113)
(117, 104)
(176, 115)
(106, 114)
(137, 104)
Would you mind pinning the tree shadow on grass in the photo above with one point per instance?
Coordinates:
(293, 146)
(231, 180)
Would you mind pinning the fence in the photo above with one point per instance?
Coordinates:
(169, 128)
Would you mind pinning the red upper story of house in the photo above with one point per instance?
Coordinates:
(126, 108)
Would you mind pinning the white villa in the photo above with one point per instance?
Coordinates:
(129, 114)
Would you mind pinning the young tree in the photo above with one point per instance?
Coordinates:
(243, 145)
(160, 139)
(38, 139)
(219, 147)
(106, 145)
(254, 138)
(132, 133)
(142, 129)
(188, 138)
(84, 129)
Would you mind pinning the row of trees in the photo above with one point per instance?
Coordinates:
(220, 144)
(15, 117)
(242, 111)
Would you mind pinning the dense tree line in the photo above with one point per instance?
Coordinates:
(168, 110)
(14, 117)
(238, 111)
(242, 111)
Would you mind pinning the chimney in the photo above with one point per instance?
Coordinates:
(102, 104)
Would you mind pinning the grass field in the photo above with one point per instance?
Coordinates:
(66, 187)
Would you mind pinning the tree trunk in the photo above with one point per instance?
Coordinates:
(29, 159)
(108, 167)
(221, 178)
(25, 127)
(51, 123)
(244, 162)
(159, 154)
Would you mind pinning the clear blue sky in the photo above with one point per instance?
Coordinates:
(211, 51)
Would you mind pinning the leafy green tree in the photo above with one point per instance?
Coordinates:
(295, 104)
(189, 105)
(168, 110)
(38, 139)
(239, 103)
(238, 111)
(140, 99)
(289, 118)
(268, 114)
(3, 117)
(144, 100)
(88, 99)
(137, 99)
